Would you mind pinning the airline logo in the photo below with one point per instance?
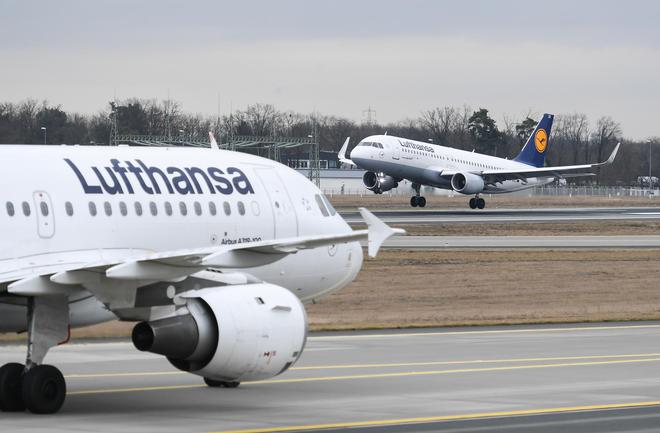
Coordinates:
(416, 146)
(128, 176)
(541, 140)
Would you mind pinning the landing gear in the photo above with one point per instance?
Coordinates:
(39, 388)
(477, 202)
(417, 200)
(220, 383)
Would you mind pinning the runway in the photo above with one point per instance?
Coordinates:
(453, 216)
(578, 378)
(513, 242)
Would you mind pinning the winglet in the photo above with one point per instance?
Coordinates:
(342, 153)
(214, 144)
(610, 160)
(379, 232)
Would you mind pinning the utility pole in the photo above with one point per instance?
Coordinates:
(43, 128)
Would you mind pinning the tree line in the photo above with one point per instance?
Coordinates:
(575, 139)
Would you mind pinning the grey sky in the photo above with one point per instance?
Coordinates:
(338, 57)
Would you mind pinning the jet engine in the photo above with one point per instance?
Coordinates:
(230, 334)
(378, 182)
(467, 183)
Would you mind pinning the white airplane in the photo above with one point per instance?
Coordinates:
(388, 160)
(211, 251)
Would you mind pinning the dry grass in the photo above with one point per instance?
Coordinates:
(372, 201)
(441, 288)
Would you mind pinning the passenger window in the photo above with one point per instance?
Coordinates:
(319, 202)
(168, 208)
(26, 209)
(153, 208)
(227, 208)
(198, 208)
(183, 209)
(92, 208)
(212, 209)
(241, 208)
(123, 209)
(138, 208)
(68, 207)
(10, 209)
(108, 208)
(44, 208)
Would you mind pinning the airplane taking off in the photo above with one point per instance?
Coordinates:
(388, 160)
(213, 252)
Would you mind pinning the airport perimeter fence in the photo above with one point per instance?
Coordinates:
(548, 190)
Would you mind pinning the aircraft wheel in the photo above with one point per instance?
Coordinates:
(481, 203)
(220, 383)
(44, 389)
(414, 201)
(11, 379)
(473, 203)
(421, 202)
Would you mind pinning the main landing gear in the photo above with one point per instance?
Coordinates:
(417, 200)
(477, 202)
(36, 387)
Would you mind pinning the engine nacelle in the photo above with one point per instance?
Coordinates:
(233, 334)
(379, 182)
(467, 183)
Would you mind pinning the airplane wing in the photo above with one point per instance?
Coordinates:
(114, 282)
(342, 153)
(566, 171)
(214, 144)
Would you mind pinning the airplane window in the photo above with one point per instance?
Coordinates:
(329, 205)
(26, 209)
(227, 208)
(153, 208)
(212, 208)
(108, 208)
(138, 208)
(183, 209)
(68, 207)
(319, 202)
(241, 208)
(44, 208)
(123, 210)
(92, 208)
(168, 208)
(10, 208)
(198, 208)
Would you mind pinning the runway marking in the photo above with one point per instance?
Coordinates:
(372, 376)
(458, 417)
(383, 365)
(484, 332)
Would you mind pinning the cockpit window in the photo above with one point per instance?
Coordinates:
(332, 210)
(319, 202)
(371, 144)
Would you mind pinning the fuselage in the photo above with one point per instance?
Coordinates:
(67, 206)
(421, 163)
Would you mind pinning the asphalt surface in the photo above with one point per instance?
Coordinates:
(577, 378)
(511, 242)
(434, 216)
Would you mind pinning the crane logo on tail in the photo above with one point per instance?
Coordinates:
(541, 140)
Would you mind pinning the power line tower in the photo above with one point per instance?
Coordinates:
(369, 116)
(113, 124)
(315, 157)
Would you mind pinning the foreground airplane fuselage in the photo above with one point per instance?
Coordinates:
(67, 205)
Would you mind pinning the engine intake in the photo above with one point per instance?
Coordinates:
(467, 183)
(378, 182)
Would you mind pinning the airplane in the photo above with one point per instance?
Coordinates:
(388, 160)
(212, 252)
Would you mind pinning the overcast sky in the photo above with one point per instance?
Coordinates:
(339, 57)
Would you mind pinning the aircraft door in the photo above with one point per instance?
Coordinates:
(396, 151)
(284, 214)
(45, 217)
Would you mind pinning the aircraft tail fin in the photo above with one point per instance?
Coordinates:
(534, 150)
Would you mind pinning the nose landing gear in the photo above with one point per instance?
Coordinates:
(417, 199)
(477, 202)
